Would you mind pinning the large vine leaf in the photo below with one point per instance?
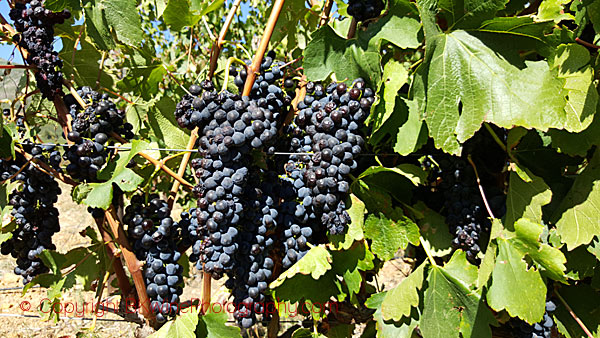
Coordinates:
(469, 13)
(123, 16)
(434, 230)
(474, 77)
(451, 308)
(515, 287)
(526, 198)
(179, 14)
(577, 217)
(401, 26)
(399, 300)
(183, 326)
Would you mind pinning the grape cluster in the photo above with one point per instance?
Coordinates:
(155, 236)
(143, 219)
(91, 132)
(542, 329)
(327, 127)
(230, 127)
(35, 25)
(34, 213)
(254, 267)
(363, 10)
(462, 204)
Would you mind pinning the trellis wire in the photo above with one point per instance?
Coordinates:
(125, 148)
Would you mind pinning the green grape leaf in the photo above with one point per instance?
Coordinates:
(399, 300)
(97, 28)
(328, 52)
(124, 17)
(523, 26)
(527, 240)
(395, 76)
(315, 263)
(390, 234)
(554, 10)
(450, 305)
(470, 78)
(577, 218)
(7, 143)
(459, 267)
(390, 329)
(577, 144)
(469, 13)
(179, 14)
(434, 230)
(508, 291)
(183, 326)
(213, 325)
(83, 65)
(164, 126)
(525, 199)
(143, 80)
(594, 248)
(59, 5)
(355, 228)
(580, 263)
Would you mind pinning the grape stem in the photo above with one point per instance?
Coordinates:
(579, 322)
(218, 43)
(45, 168)
(206, 290)
(352, 29)
(133, 265)
(487, 206)
(262, 47)
(425, 246)
(156, 163)
(100, 70)
(494, 136)
(587, 44)
(18, 171)
(325, 14)
(300, 94)
(114, 255)
(182, 167)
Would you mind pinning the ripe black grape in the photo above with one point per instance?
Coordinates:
(36, 27)
(91, 132)
(34, 213)
(362, 10)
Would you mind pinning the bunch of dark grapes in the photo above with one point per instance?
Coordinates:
(143, 219)
(35, 25)
(233, 126)
(35, 216)
(327, 127)
(254, 267)
(363, 10)
(92, 128)
(542, 329)
(462, 204)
